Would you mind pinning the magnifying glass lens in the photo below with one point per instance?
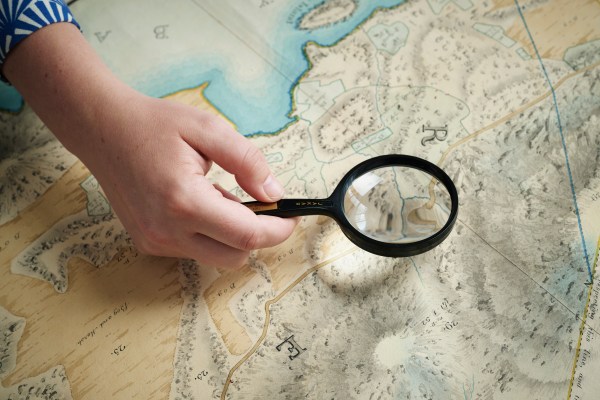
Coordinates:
(392, 205)
(397, 204)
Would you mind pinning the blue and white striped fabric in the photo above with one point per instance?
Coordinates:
(20, 18)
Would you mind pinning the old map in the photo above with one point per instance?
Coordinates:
(503, 95)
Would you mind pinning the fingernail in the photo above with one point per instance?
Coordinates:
(273, 188)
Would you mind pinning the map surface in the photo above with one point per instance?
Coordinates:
(503, 95)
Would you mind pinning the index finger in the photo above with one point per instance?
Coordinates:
(233, 224)
(237, 155)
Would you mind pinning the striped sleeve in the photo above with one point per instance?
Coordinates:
(20, 18)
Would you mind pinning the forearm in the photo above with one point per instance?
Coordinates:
(42, 68)
(149, 155)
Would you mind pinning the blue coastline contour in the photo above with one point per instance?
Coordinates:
(274, 112)
(261, 107)
(265, 107)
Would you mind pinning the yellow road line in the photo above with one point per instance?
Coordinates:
(514, 113)
(582, 326)
(274, 300)
(345, 253)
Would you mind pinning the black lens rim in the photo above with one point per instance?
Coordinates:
(393, 249)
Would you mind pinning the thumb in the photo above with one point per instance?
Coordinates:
(237, 155)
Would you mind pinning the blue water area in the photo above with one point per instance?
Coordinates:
(266, 110)
(10, 99)
(273, 113)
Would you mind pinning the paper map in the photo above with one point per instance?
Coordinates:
(503, 95)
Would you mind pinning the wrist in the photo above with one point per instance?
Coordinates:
(60, 76)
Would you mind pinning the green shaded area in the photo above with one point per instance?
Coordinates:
(390, 38)
(371, 139)
(494, 32)
(438, 5)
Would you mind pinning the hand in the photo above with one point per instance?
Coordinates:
(150, 155)
(153, 170)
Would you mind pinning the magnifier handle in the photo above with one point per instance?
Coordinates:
(292, 207)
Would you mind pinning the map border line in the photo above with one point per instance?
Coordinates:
(583, 323)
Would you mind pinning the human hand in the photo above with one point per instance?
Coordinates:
(150, 155)
(153, 170)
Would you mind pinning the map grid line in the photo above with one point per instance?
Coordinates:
(562, 137)
(575, 314)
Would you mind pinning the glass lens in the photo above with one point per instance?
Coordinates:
(397, 204)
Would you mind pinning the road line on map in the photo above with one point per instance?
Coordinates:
(582, 326)
(268, 313)
(564, 143)
(514, 113)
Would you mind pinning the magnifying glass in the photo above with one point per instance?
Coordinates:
(392, 205)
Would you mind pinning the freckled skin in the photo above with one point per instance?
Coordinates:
(150, 156)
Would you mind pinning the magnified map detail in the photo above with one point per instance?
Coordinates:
(397, 204)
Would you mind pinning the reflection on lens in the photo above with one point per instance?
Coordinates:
(397, 204)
